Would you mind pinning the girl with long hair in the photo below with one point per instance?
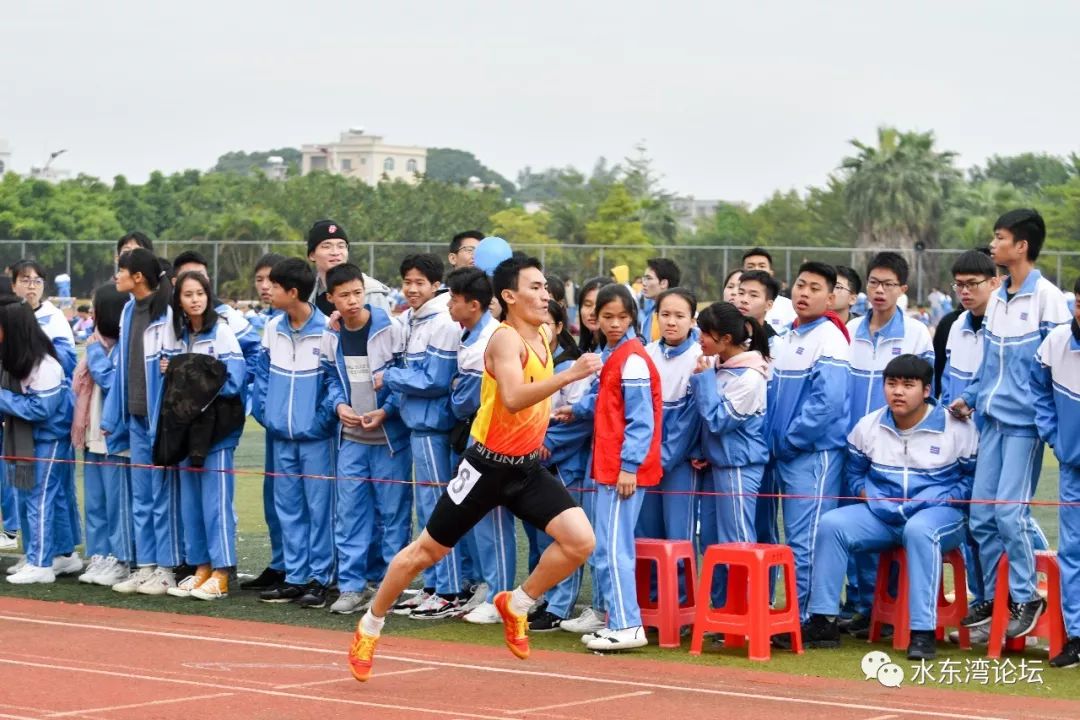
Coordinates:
(586, 305)
(130, 420)
(36, 402)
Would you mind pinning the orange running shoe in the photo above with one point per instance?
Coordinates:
(361, 653)
(514, 626)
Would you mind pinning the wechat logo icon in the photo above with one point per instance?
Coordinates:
(877, 665)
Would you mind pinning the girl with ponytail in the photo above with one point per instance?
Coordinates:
(130, 418)
(729, 387)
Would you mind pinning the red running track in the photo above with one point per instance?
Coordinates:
(74, 661)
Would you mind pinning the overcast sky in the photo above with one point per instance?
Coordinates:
(734, 99)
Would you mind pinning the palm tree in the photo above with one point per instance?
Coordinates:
(895, 192)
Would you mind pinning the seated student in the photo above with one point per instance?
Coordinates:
(1055, 391)
(106, 477)
(36, 403)
(374, 460)
(807, 415)
(206, 494)
(911, 449)
(287, 401)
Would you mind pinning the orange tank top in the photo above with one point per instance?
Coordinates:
(502, 431)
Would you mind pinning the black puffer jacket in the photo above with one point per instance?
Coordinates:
(194, 417)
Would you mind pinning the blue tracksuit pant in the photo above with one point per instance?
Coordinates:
(431, 463)
(468, 548)
(615, 556)
(155, 502)
(206, 506)
(273, 523)
(496, 545)
(9, 502)
(39, 506)
(364, 496)
(734, 509)
(562, 598)
(67, 521)
(808, 481)
(672, 512)
(1008, 457)
(1069, 548)
(305, 506)
(107, 506)
(767, 518)
(854, 528)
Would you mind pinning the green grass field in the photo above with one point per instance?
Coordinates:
(253, 550)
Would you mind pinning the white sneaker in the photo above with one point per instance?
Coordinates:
(484, 614)
(349, 602)
(131, 583)
(67, 564)
(625, 639)
(8, 542)
(96, 563)
(410, 603)
(158, 583)
(184, 587)
(17, 566)
(587, 622)
(479, 597)
(112, 572)
(31, 574)
(589, 637)
(212, 589)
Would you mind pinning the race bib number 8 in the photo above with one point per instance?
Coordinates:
(462, 484)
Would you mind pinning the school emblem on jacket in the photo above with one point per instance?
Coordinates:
(897, 350)
(799, 350)
(935, 450)
(1023, 316)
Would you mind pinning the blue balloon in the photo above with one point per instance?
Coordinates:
(490, 252)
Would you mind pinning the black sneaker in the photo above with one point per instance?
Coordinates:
(283, 593)
(978, 614)
(183, 570)
(1024, 617)
(782, 641)
(859, 628)
(820, 632)
(545, 622)
(843, 623)
(267, 580)
(1069, 656)
(537, 610)
(314, 596)
(923, 645)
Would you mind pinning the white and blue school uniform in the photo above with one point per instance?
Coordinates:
(807, 418)
(155, 493)
(206, 495)
(490, 548)
(273, 523)
(930, 467)
(569, 444)
(288, 401)
(422, 387)
(672, 513)
(767, 504)
(52, 321)
(1055, 390)
(614, 561)
(373, 465)
(45, 403)
(870, 353)
(106, 477)
(1010, 450)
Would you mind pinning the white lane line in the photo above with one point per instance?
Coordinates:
(257, 691)
(577, 702)
(148, 703)
(350, 678)
(882, 717)
(510, 671)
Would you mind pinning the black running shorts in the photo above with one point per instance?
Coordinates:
(526, 489)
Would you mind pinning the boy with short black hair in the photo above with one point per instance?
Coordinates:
(287, 401)
(974, 280)
(919, 511)
(373, 453)
(423, 386)
(463, 248)
(1019, 316)
(660, 275)
(1055, 390)
(758, 291)
(848, 287)
(132, 240)
(782, 314)
(807, 415)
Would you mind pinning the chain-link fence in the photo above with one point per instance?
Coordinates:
(90, 263)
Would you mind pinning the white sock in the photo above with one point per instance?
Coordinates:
(372, 625)
(520, 602)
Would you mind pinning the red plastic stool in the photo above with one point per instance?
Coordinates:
(667, 614)
(889, 610)
(746, 613)
(1051, 624)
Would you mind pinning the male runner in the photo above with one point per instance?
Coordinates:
(502, 467)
